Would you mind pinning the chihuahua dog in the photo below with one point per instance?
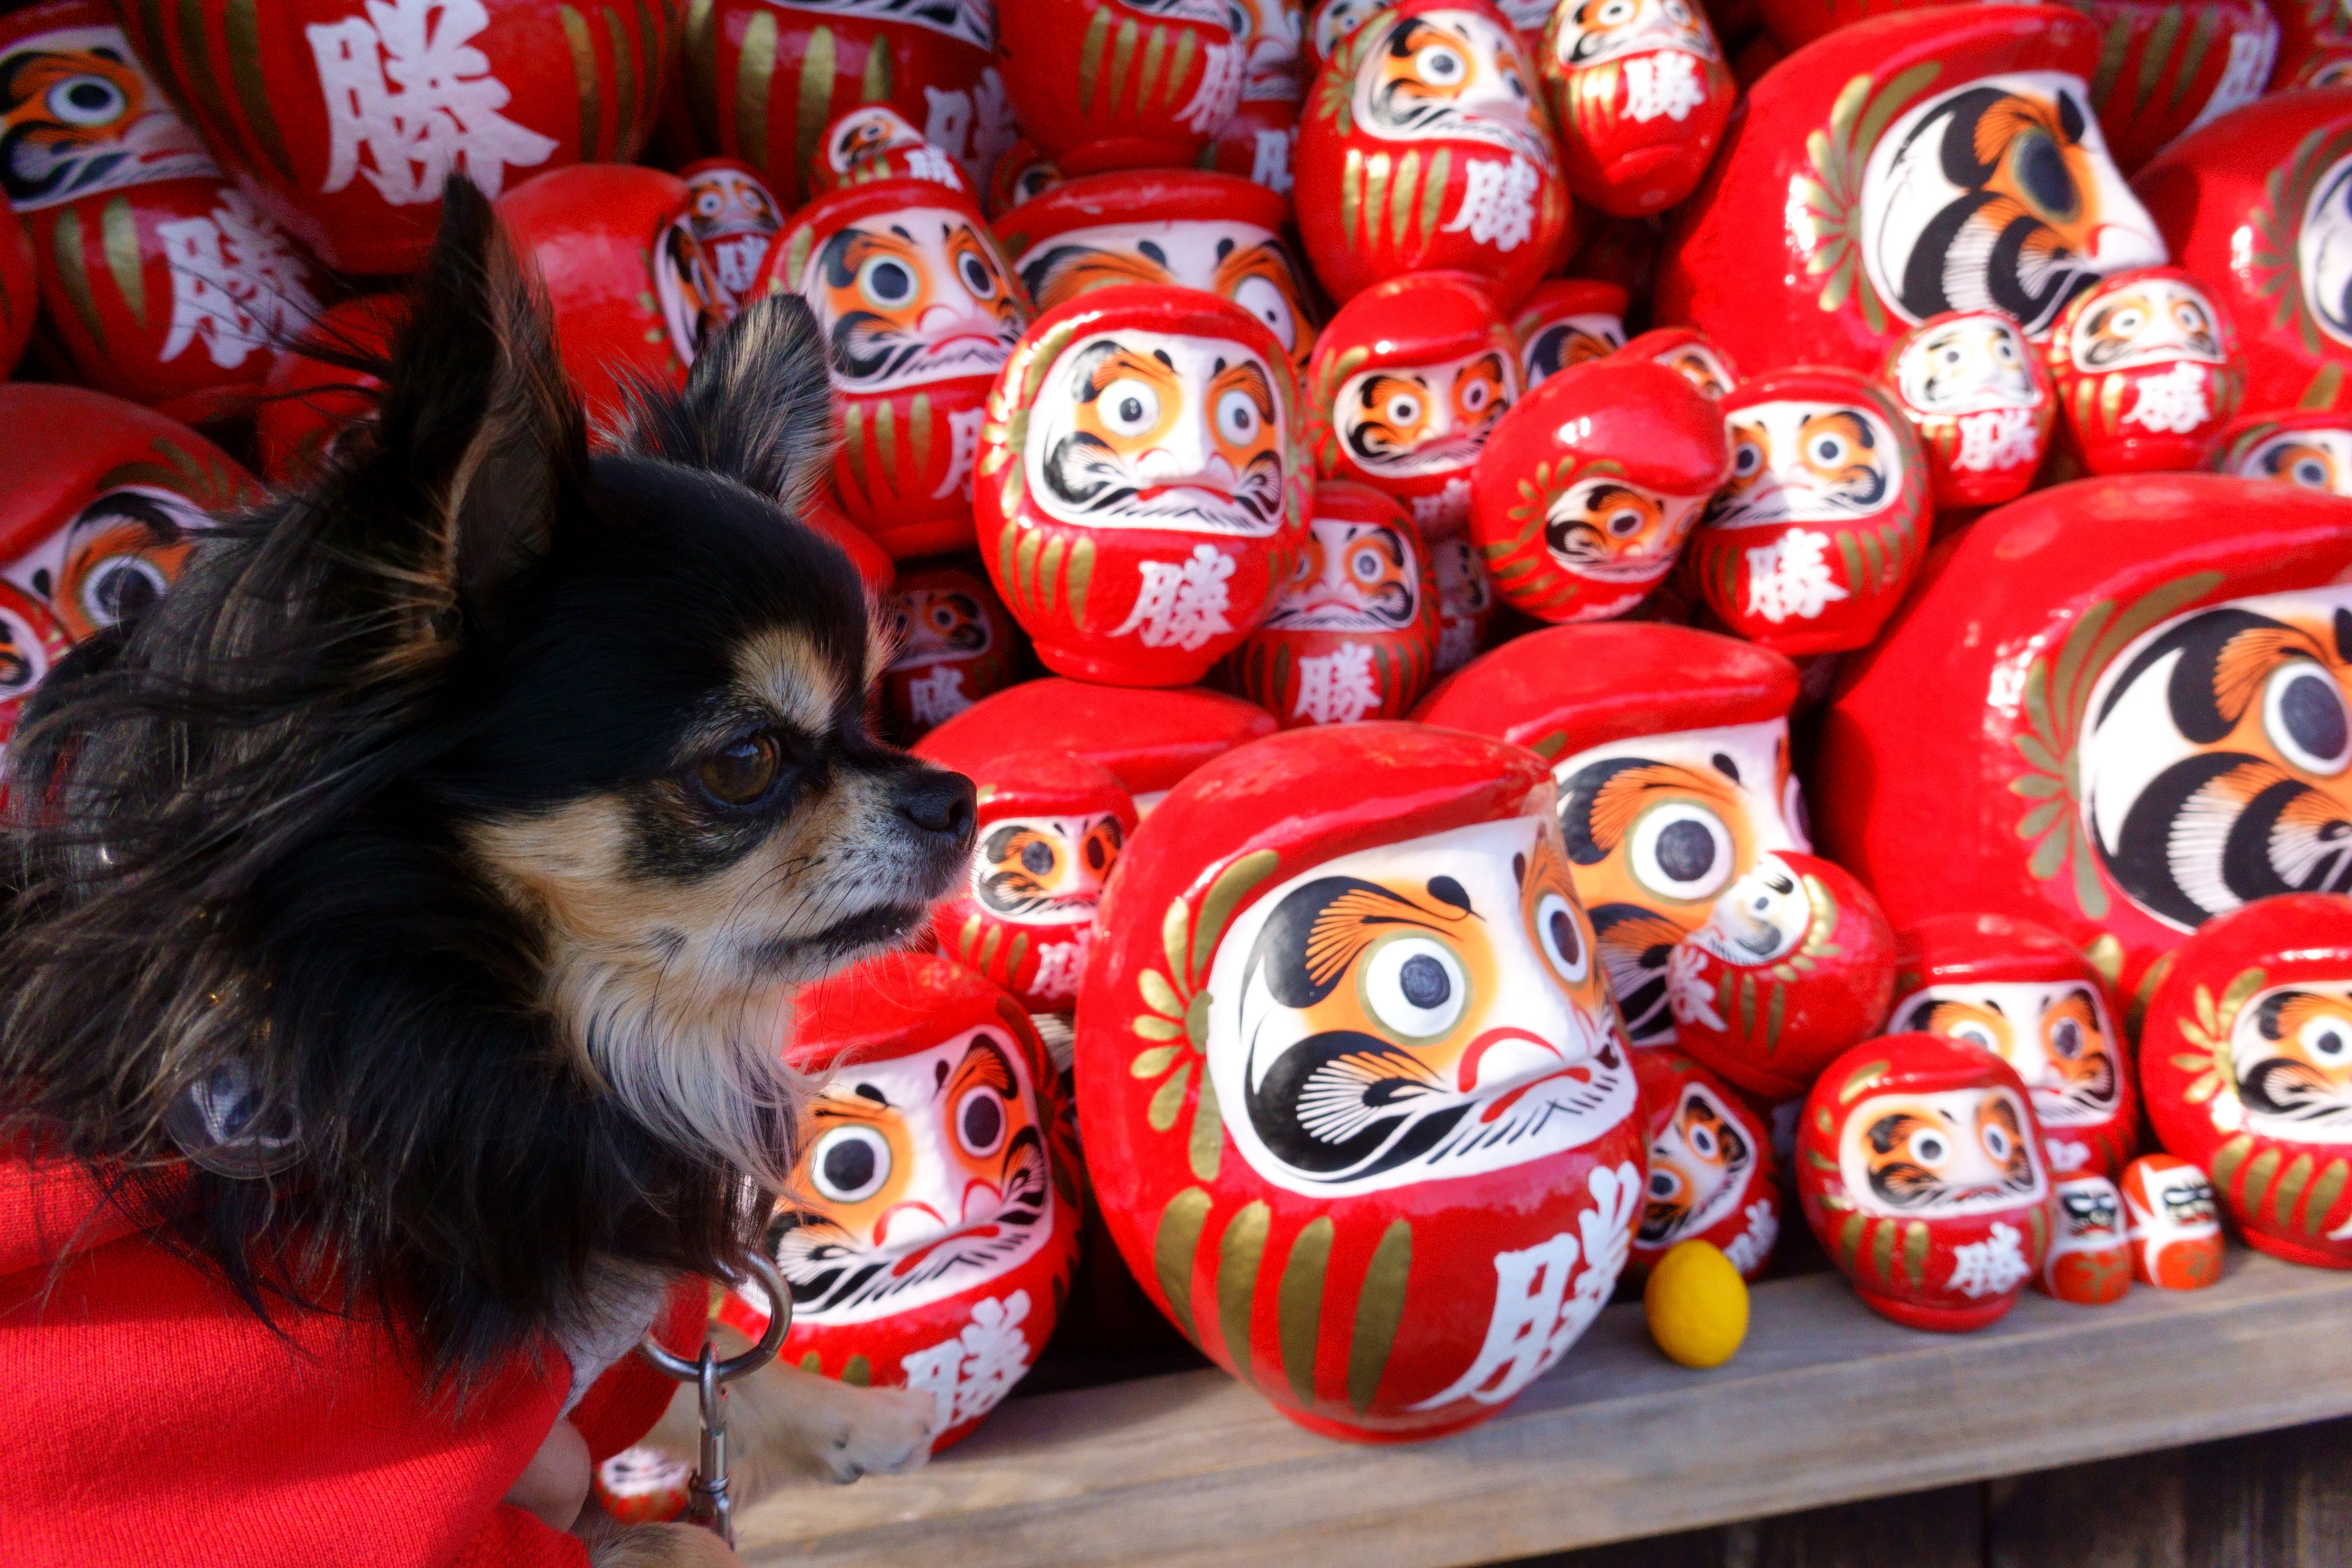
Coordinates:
(411, 902)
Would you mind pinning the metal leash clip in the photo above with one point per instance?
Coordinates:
(707, 1503)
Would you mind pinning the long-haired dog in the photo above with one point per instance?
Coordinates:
(412, 900)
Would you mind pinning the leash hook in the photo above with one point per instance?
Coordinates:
(707, 1503)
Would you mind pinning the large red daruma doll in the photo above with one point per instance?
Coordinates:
(1585, 492)
(1143, 491)
(1353, 635)
(940, 1226)
(1641, 94)
(919, 311)
(2144, 726)
(345, 119)
(1812, 542)
(2258, 207)
(1425, 146)
(1361, 1120)
(1920, 1168)
(1670, 747)
(2018, 990)
(1938, 159)
(1120, 84)
(2247, 1057)
(1406, 382)
(1148, 740)
(161, 281)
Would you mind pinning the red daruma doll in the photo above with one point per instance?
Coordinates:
(1095, 100)
(2090, 1252)
(1982, 403)
(1354, 636)
(1405, 384)
(1640, 93)
(2022, 992)
(1565, 321)
(1920, 1168)
(956, 644)
(2147, 369)
(1586, 489)
(919, 310)
(1711, 1173)
(2176, 1224)
(940, 1226)
(1143, 493)
(1810, 545)
(1363, 1121)
(1424, 144)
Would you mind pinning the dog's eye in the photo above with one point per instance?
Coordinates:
(741, 772)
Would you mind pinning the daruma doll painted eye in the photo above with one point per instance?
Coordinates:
(2246, 1051)
(1424, 145)
(2312, 449)
(1583, 496)
(1565, 321)
(2018, 990)
(1919, 1164)
(1694, 356)
(1354, 634)
(919, 311)
(1810, 543)
(941, 1222)
(1365, 1125)
(2147, 372)
(1711, 1172)
(1981, 400)
(1142, 492)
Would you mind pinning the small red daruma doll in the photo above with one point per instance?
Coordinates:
(941, 1222)
(1565, 321)
(875, 142)
(1424, 144)
(1795, 964)
(1354, 634)
(2246, 1057)
(956, 644)
(1980, 400)
(1465, 601)
(1143, 492)
(1406, 382)
(919, 310)
(1051, 828)
(733, 217)
(2024, 994)
(1808, 547)
(2147, 369)
(1065, 64)
(1360, 1114)
(2176, 1224)
(2090, 1261)
(2313, 449)
(1585, 492)
(1712, 1177)
(1641, 94)
(1694, 356)
(1920, 1170)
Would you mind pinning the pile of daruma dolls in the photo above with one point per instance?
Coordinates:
(1505, 792)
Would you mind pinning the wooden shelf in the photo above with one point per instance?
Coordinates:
(1826, 1402)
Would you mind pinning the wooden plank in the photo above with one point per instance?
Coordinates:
(1826, 1404)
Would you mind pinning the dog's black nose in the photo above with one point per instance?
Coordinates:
(940, 802)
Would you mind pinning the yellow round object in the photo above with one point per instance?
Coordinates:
(1698, 1304)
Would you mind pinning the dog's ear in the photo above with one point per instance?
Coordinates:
(757, 407)
(480, 441)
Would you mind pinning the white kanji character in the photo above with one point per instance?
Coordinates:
(1270, 164)
(946, 121)
(1059, 967)
(927, 163)
(1436, 514)
(1992, 1266)
(936, 698)
(933, 1370)
(2067, 1155)
(1995, 438)
(1687, 990)
(236, 284)
(963, 438)
(1751, 1246)
(1791, 576)
(1213, 102)
(1337, 688)
(1535, 1317)
(408, 91)
(1499, 204)
(1183, 604)
(1667, 82)
(2172, 400)
(996, 1355)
